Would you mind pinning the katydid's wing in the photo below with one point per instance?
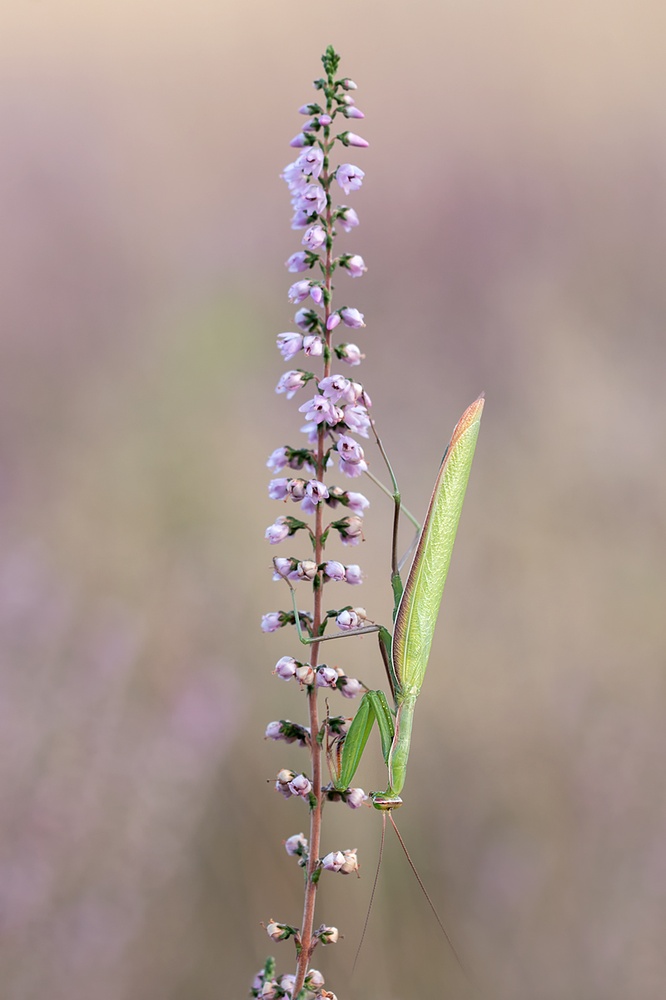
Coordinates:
(419, 606)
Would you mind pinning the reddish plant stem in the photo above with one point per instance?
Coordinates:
(307, 941)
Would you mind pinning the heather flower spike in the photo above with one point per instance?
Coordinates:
(336, 413)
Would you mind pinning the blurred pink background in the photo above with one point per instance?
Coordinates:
(514, 226)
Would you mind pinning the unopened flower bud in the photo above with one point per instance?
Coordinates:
(325, 119)
(354, 574)
(353, 112)
(296, 845)
(299, 141)
(349, 353)
(300, 786)
(351, 139)
(352, 317)
(333, 321)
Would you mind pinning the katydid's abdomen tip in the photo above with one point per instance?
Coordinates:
(385, 802)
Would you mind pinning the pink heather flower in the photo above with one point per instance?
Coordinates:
(334, 387)
(285, 668)
(348, 218)
(296, 845)
(316, 491)
(303, 318)
(314, 980)
(307, 570)
(313, 199)
(291, 382)
(350, 354)
(351, 317)
(277, 489)
(348, 449)
(311, 161)
(299, 141)
(298, 291)
(352, 112)
(349, 177)
(354, 574)
(305, 674)
(283, 568)
(316, 293)
(297, 262)
(326, 677)
(351, 618)
(357, 419)
(313, 346)
(312, 432)
(277, 460)
(300, 786)
(356, 266)
(349, 84)
(294, 177)
(351, 688)
(353, 471)
(320, 410)
(314, 238)
(325, 119)
(334, 570)
(271, 622)
(333, 861)
(333, 321)
(328, 935)
(311, 126)
(346, 99)
(277, 532)
(357, 503)
(350, 863)
(296, 489)
(301, 218)
(351, 530)
(308, 506)
(307, 109)
(355, 798)
(289, 344)
(273, 731)
(287, 983)
(351, 139)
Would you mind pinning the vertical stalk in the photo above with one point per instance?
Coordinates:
(307, 925)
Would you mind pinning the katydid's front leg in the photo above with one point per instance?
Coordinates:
(309, 640)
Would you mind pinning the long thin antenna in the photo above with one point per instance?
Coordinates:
(425, 893)
(372, 894)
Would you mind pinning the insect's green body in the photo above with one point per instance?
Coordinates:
(417, 608)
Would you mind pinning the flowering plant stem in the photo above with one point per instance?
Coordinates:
(338, 410)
